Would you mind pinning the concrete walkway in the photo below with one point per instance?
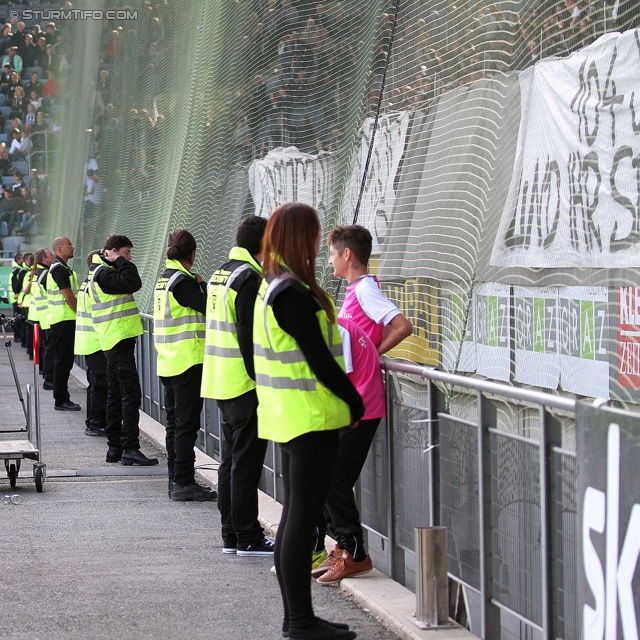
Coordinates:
(103, 552)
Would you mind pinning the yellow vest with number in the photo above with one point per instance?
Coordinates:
(115, 316)
(224, 375)
(291, 400)
(86, 339)
(58, 308)
(178, 332)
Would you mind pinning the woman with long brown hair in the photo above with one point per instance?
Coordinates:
(304, 398)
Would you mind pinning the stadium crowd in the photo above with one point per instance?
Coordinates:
(34, 66)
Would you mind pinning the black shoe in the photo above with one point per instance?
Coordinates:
(321, 631)
(67, 406)
(192, 492)
(135, 456)
(95, 431)
(170, 485)
(265, 547)
(336, 625)
(114, 454)
(229, 546)
(47, 386)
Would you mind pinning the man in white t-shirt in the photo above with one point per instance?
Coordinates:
(373, 322)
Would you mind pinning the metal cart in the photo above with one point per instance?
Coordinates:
(14, 451)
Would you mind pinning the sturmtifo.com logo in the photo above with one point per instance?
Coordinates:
(73, 14)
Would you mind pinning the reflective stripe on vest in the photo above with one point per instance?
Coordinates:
(179, 332)
(39, 304)
(291, 400)
(58, 308)
(115, 316)
(224, 373)
(86, 338)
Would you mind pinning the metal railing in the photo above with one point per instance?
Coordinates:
(490, 467)
(484, 459)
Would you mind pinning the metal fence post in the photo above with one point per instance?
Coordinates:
(490, 614)
(550, 436)
(432, 588)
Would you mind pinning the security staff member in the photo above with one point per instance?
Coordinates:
(229, 377)
(23, 298)
(117, 322)
(38, 312)
(18, 272)
(87, 344)
(62, 286)
(304, 398)
(178, 316)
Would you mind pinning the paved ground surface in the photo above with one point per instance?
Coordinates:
(110, 556)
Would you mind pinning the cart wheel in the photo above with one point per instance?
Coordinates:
(13, 475)
(39, 477)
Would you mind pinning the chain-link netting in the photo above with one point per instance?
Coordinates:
(490, 148)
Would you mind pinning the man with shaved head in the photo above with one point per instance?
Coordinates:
(62, 287)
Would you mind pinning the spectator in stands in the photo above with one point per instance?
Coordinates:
(34, 99)
(38, 184)
(51, 62)
(257, 108)
(18, 104)
(25, 146)
(305, 135)
(93, 194)
(30, 53)
(15, 145)
(14, 83)
(51, 89)
(5, 162)
(38, 132)
(5, 78)
(5, 36)
(114, 46)
(290, 16)
(103, 94)
(18, 39)
(52, 34)
(28, 225)
(14, 60)
(41, 53)
(8, 212)
(33, 85)
(30, 116)
(16, 188)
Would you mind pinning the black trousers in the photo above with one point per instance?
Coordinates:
(241, 460)
(97, 390)
(183, 405)
(308, 464)
(18, 323)
(27, 339)
(341, 509)
(123, 397)
(46, 355)
(62, 335)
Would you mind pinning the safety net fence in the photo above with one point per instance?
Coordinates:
(491, 148)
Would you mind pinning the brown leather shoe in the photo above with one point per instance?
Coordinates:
(328, 562)
(345, 567)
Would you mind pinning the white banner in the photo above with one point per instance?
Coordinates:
(378, 197)
(582, 343)
(456, 329)
(288, 175)
(492, 328)
(536, 336)
(575, 190)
